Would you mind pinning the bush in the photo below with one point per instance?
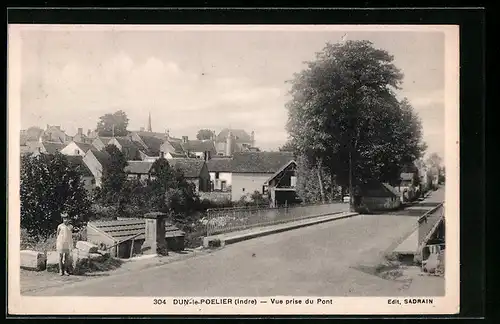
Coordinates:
(50, 184)
(214, 243)
(209, 204)
(36, 243)
(194, 239)
(102, 212)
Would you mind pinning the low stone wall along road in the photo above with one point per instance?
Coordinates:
(328, 259)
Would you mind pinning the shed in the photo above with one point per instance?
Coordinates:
(118, 235)
(376, 196)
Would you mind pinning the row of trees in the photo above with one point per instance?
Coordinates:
(345, 122)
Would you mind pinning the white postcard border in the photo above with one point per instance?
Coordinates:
(449, 304)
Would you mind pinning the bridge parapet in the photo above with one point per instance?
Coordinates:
(428, 227)
(225, 220)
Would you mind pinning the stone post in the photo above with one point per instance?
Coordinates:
(154, 240)
(273, 197)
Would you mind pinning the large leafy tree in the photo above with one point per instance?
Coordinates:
(49, 186)
(344, 115)
(169, 191)
(113, 124)
(434, 161)
(436, 167)
(113, 177)
(205, 134)
(312, 185)
(33, 133)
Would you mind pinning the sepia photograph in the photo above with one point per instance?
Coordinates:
(233, 169)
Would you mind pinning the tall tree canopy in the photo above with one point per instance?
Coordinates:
(434, 161)
(435, 165)
(49, 186)
(33, 133)
(344, 108)
(113, 123)
(170, 192)
(205, 134)
(113, 176)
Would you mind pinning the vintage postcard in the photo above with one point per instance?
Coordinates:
(251, 169)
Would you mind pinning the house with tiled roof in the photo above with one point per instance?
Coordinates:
(281, 185)
(75, 148)
(251, 171)
(229, 141)
(100, 142)
(96, 161)
(140, 170)
(44, 147)
(150, 141)
(55, 134)
(220, 172)
(172, 149)
(80, 137)
(77, 162)
(195, 171)
(131, 149)
(200, 149)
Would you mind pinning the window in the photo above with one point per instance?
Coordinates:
(243, 189)
(217, 175)
(223, 186)
(77, 152)
(264, 190)
(92, 181)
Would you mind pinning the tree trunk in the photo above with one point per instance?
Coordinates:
(351, 196)
(332, 187)
(320, 180)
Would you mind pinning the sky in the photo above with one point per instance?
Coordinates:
(189, 80)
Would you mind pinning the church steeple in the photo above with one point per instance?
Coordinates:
(149, 123)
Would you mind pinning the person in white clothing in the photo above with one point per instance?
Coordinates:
(64, 244)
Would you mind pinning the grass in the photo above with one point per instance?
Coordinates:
(37, 243)
(106, 265)
(42, 244)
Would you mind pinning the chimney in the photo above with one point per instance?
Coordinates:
(58, 127)
(48, 126)
(150, 129)
(167, 134)
(184, 139)
(141, 129)
(229, 144)
(207, 155)
(88, 133)
(253, 138)
(80, 131)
